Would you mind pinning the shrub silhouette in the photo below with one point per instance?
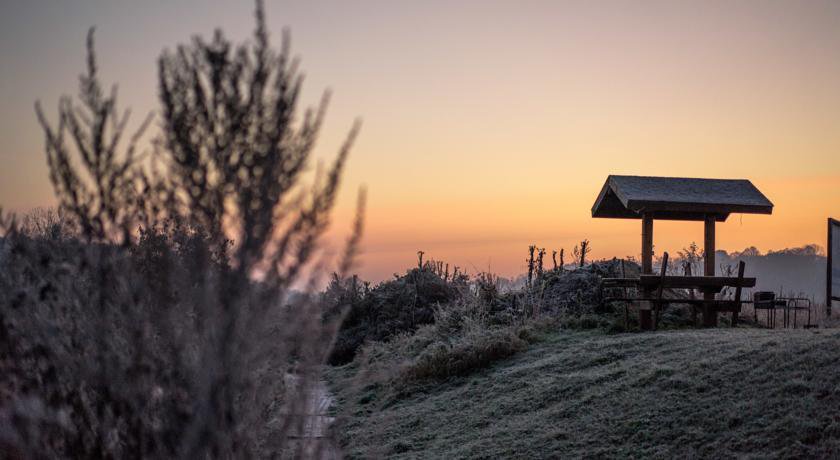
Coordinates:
(161, 323)
(392, 307)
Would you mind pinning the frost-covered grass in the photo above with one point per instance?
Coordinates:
(707, 393)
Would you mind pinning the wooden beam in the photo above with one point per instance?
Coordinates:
(709, 313)
(699, 208)
(647, 244)
(697, 282)
(645, 321)
(607, 211)
(709, 246)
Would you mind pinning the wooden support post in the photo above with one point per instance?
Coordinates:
(645, 322)
(647, 244)
(829, 262)
(709, 312)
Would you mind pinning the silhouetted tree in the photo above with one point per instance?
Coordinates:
(581, 251)
(531, 264)
(237, 155)
(198, 312)
(102, 197)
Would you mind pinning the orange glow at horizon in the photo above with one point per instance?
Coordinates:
(490, 126)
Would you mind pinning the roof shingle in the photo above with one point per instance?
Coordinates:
(678, 198)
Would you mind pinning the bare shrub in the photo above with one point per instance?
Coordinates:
(470, 353)
(160, 321)
(580, 252)
(392, 307)
(455, 319)
(102, 196)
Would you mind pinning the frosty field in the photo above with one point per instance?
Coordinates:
(710, 393)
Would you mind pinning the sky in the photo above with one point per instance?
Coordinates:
(489, 126)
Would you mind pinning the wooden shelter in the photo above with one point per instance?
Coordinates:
(677, 198)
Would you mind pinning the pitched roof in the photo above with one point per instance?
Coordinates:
(678, 198)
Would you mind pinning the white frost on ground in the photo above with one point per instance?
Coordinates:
(313, 428)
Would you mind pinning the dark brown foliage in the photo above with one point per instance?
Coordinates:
(154, 317)
(390, 308)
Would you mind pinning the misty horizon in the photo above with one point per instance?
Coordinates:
(429, 229)
(489, 127)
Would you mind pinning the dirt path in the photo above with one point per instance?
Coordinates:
(313, 429)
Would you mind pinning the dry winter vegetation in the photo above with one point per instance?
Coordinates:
(434, 365)
(709, 393)
(152, 315)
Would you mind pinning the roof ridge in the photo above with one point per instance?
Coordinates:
(678, 198)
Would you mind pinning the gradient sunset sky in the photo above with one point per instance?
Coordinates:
(492, 125)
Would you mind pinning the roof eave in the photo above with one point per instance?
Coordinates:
(705, 208)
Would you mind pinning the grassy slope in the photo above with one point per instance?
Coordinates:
(710, 393)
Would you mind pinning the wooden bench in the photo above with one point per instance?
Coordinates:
(659, 283)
